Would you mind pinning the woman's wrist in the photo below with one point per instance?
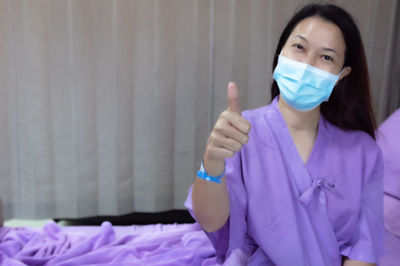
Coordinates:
(213, 167)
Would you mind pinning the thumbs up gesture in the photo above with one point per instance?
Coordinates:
(229, 134)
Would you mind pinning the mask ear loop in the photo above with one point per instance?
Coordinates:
(339, 76)
(341, 72)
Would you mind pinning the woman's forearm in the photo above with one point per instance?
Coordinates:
(210, 204)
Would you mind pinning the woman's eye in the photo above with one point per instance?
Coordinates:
(298, 46)
(327, 58)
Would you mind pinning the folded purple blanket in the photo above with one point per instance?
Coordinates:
(184, 244)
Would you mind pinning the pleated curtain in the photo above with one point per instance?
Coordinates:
(106, 105)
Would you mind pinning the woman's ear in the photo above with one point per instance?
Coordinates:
(346, 71)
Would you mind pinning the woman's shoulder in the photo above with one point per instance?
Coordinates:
(355, 141)
(351, 136)
(259, 115)
(252, 114)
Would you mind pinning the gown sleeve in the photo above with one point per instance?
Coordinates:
(230, 239)
(368, 239)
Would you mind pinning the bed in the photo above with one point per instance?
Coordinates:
(159, 244)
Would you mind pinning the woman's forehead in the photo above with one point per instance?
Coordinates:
(319, 33)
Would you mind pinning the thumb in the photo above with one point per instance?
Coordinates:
(233, 97)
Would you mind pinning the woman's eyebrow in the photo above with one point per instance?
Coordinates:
(330, 50)
(301, 37)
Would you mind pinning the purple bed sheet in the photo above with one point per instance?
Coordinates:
(175, 244)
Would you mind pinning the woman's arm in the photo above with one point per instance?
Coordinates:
(210, 200)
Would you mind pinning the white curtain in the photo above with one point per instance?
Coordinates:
(105, 106)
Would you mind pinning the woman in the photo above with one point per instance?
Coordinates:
(303, 186)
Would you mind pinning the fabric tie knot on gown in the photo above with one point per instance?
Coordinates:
(319, 183)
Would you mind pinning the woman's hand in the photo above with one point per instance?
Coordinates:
(228, 136)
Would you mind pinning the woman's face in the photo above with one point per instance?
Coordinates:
(319, 43)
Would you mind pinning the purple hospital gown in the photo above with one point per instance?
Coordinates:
(286, 212)
(389, 142)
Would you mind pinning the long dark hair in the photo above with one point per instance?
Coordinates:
(349, 106)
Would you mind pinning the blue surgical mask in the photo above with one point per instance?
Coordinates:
(302, 86)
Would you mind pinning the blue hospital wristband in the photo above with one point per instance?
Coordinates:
(203, 175)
